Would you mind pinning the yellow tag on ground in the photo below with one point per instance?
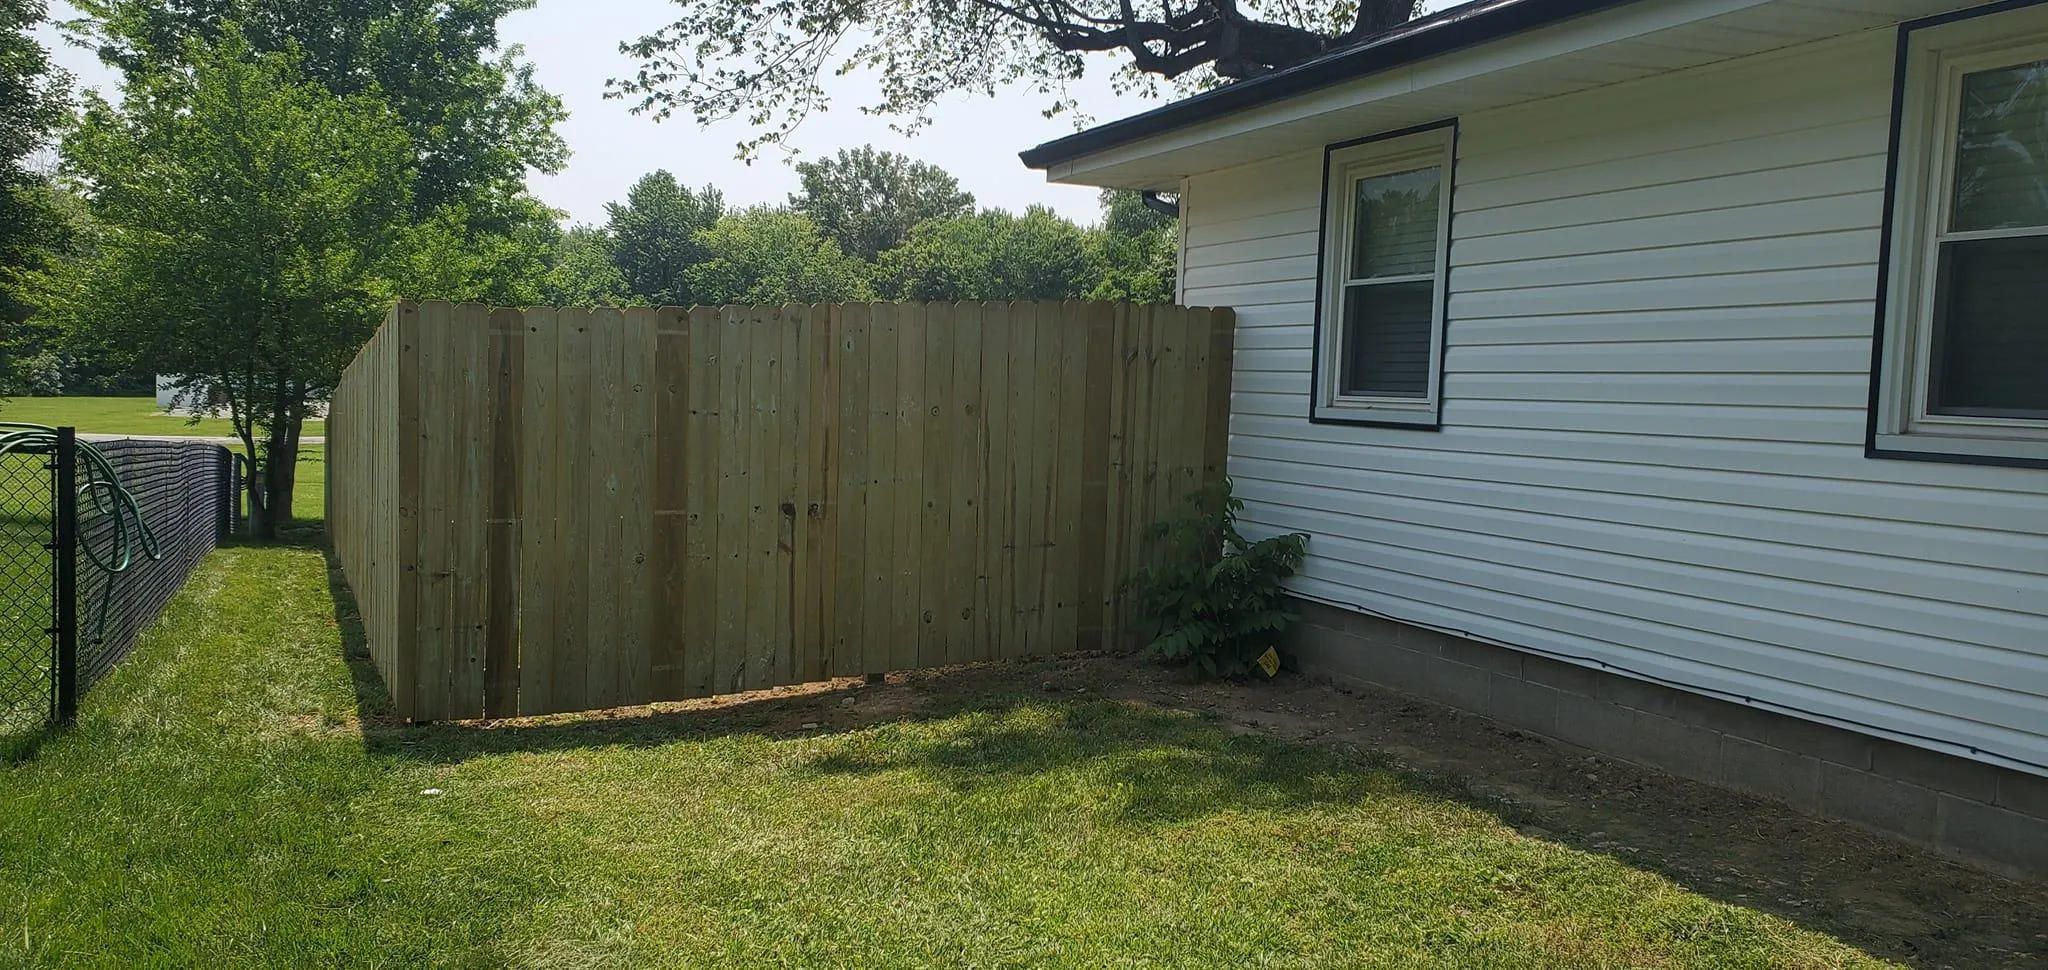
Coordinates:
(1270, 662)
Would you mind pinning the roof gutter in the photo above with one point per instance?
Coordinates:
(1460, 27)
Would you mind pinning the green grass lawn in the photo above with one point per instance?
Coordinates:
(222, 804)
(309, 487)
(120, 415)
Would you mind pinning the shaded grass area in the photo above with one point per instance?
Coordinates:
(121, 415)
(236, 796)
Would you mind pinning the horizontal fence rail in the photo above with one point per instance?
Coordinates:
(555, 510)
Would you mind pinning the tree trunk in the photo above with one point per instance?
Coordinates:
(280, 473)
(270, 489)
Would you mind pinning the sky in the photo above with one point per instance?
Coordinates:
(574, 45)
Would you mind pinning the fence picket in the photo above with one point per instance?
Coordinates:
(707, 435)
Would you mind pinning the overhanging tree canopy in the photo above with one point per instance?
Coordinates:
(765, 59)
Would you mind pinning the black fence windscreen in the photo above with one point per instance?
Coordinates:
(129, 565)
(91, 549)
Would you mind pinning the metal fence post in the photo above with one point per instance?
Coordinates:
(67, 573)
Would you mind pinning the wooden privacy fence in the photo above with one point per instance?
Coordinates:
(552, 510)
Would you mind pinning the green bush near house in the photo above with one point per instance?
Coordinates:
(1210, 599)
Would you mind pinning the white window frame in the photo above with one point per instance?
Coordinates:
(1344, 165)
(1935, 60)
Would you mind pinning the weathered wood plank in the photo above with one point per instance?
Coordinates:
(1093, 550)
(935, 541)
(813, 556)
(849, 505)
(907, 499)
(405, 544)
(791, 401)
(639, 399)
(709, 446)
(506, 353)
(767, 591)
(470, 474)
(671, 591)
(1030, 359)
(967, 448)
(1065, 557)
(1216, 426)
(601, 493)
(1190, 444)
(735, 400)
(1143, 506)
(433, 553)
(540, 448)
(1000, 328)
(573, 514)
(885, 477)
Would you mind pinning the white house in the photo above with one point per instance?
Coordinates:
(1668, 376)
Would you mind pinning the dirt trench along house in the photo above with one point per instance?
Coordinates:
(1669, 377)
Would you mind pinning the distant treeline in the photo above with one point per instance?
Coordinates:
(864, 224)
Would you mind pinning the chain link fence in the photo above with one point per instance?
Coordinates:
(90, 551)
(28, 589)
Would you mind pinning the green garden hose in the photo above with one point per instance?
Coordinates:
(100, 489)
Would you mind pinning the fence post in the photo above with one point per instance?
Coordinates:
(66, 552)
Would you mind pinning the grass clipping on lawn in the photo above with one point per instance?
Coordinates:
(220, 804)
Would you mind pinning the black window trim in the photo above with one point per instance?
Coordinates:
(1317, 413)
(1878, 361)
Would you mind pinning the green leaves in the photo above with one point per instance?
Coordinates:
(766, 60)
(34, 101)
(1209, 599)
(993, 256)
(252, 226)
(472, 113)
(867, 200)
(764, 255)
(653, 236)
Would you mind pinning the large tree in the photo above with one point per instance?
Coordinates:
(247, 222)
(581, 271)
(866, 200)
(764, 255)
(475, 116)
(654, 236)
(994, 255)
(34, 100)
(1140, 248)
(766, 60)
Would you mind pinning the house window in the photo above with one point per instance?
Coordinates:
(1385, 239)
(1964, 361)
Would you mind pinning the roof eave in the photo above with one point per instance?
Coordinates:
(1459, 28)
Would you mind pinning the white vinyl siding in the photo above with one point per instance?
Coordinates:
(1659, 321)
